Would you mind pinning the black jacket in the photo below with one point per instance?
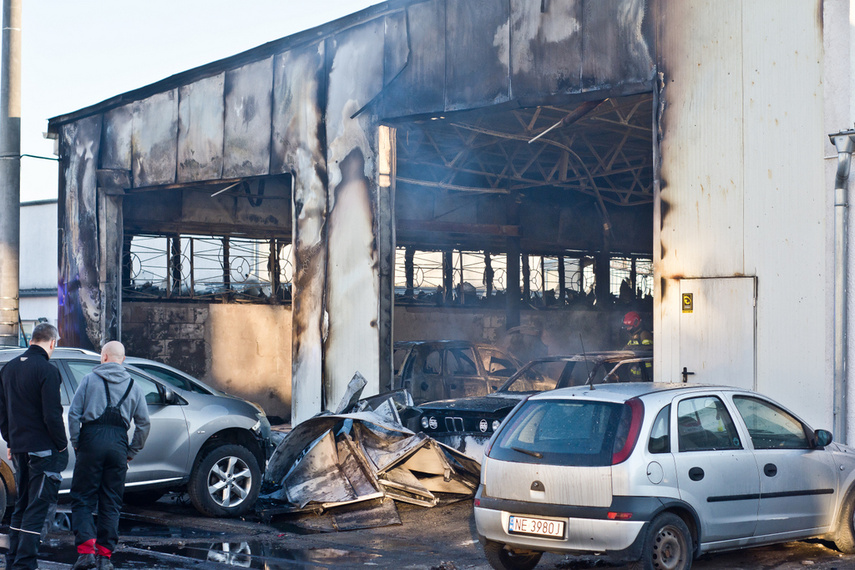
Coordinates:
(30, 406)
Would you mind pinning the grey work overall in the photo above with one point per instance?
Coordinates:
(99, 475)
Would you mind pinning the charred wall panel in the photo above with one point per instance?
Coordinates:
(248, 95)
(299, 96)
(80, 247)
(615, 42)
(420, 87)
(478, 34)
(200, 129)
(155, 139)
(355, 77)
(116, 138)
(546, 47)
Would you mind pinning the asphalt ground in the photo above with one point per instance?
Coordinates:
(171, 535)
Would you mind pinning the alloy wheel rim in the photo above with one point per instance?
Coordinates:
(229, 481)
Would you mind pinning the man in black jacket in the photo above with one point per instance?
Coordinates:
(31, 423)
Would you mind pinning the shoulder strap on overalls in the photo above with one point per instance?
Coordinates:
(128, 391)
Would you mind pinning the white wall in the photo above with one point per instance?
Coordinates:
(38, 261)
(743, 188)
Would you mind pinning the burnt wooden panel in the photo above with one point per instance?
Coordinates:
(352, 284)
(477, 53)
(546, 47)
(116, 137)
(616, 42)
(79, 246)
(248, 101)
(200, 129)
(420, 87)
(155, 139)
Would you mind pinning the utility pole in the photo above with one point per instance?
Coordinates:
(10, 171)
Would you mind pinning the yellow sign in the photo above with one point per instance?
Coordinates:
(688, 302)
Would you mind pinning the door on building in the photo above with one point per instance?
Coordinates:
(717, 330)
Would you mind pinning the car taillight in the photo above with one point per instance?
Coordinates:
(636, 414)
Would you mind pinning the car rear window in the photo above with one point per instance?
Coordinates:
(563, 432)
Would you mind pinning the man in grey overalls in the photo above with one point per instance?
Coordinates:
(98, 421)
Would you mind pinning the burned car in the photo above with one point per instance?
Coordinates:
(441, 369)
(466, 424)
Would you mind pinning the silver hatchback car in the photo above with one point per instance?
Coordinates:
(658, 473)
(213, 445)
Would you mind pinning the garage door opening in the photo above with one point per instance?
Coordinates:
(536, 220)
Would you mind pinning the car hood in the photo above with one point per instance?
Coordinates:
(490, 403)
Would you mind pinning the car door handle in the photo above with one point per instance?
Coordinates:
(770, 470)
(696, 473)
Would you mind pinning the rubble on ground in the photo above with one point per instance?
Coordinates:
(362, 455)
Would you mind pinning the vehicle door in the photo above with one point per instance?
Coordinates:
(798, 483)
(716, 473)
(423, 375)
(166, 453)
(498, 367)
(462, 377)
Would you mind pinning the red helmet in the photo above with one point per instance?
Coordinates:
(631, 320)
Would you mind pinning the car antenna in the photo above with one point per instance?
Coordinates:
(590, 381)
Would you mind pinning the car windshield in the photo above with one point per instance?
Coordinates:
(563, 432)
(550, 374)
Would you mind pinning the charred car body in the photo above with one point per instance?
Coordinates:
(466, 424)
(442, 369)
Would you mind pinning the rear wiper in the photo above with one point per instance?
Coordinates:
(528, 452)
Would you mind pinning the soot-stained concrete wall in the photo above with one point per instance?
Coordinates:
(239, 349)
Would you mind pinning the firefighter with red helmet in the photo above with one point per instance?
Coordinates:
(639, 339)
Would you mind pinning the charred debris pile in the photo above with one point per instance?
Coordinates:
(360, 459)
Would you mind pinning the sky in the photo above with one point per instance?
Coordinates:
(76, 53)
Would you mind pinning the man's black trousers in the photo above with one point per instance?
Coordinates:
(37, 477)
(99, 482)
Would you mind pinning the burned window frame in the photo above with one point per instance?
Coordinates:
(173, 262)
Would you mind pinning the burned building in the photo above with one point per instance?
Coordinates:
(273, 221)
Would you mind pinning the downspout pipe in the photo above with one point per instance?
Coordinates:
(844, 142)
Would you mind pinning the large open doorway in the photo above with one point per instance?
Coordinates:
(532, 221)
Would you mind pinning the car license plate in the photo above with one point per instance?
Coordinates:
(536, 527)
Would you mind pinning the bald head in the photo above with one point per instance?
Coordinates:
(113, 351)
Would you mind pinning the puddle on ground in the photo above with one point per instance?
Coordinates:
(267, 556)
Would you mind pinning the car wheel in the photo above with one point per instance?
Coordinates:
(142, 498)
(503, 558)
(225, 482)
(845, 539)
(668, 545)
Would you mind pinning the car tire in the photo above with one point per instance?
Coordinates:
(845, 539)
(668, 545)
(225, 482)
(142, 498)
(502, 558)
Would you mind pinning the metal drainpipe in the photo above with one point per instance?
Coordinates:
(844, 142)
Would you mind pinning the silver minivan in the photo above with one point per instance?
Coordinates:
(658, 473)
(213, 445)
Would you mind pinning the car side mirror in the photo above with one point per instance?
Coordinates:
(822, 437)
(169, 396)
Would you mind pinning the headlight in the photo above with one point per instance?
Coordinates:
(496, 424)
(262, 426)
(432, 422)
(482, 425)
(424, 422)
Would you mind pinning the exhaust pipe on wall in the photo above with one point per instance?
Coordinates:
(844, 142)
